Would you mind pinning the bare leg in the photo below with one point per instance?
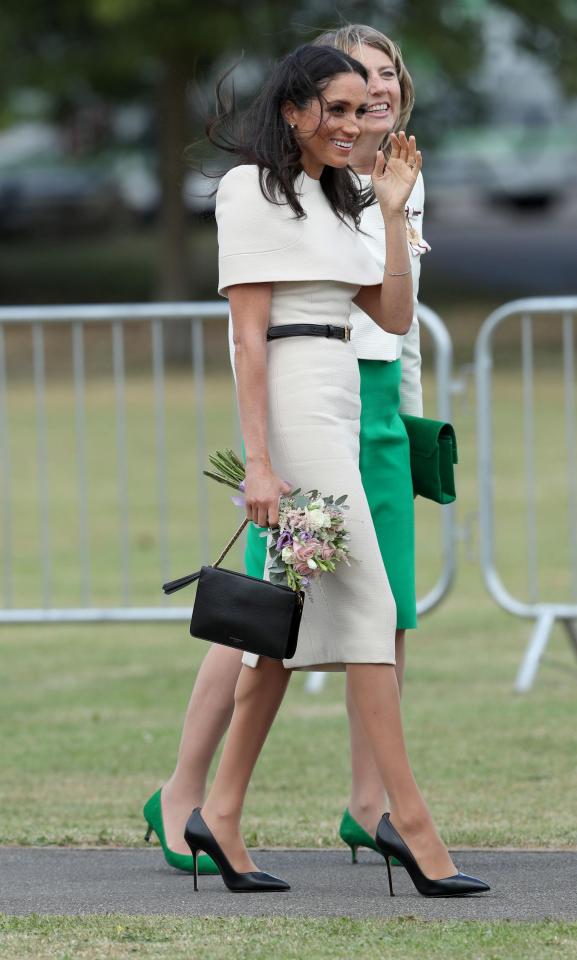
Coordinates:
(400, 656)
(259, 693)
(207, 717)
(368, 798)
(375, 692)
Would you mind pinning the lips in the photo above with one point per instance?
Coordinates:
(379, 108)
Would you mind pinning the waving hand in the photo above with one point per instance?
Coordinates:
(394, 180)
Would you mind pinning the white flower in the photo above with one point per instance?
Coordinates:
(316, 519)
(287, 554)
(312, 564)
(316, 505)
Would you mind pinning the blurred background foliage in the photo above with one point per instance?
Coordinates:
(100, 100)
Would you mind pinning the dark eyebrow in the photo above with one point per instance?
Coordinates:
(344, 103)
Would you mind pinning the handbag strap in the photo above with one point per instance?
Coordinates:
(231, 542)
(173, 585)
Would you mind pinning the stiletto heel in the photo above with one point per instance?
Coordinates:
(194, 853)
(391, 891)
(392, 844)
(354, 849)
(199, 837)
(182, 861)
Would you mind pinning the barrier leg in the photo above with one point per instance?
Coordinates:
(534, 652)
(571, 628)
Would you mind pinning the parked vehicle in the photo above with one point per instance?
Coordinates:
(43, 189)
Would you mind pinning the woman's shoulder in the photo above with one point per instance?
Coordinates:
(245, 176)
(239, 195)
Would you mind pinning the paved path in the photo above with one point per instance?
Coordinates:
(525, 886)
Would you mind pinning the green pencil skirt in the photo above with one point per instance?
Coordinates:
(386, 474)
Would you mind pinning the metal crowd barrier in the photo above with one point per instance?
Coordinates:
(115, 317)
(544, 613)
(159, 317)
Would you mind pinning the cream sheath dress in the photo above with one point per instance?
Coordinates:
(316, 266)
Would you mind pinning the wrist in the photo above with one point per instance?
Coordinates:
(397, 273)
(393, 216)
(257, 460)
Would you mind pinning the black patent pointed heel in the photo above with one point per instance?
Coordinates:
(391, 891)
(148, 834)
(199, 837)
(195, 869)
(392, 844)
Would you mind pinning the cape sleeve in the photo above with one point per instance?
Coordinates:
(254, 234)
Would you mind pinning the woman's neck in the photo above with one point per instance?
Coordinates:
(312, 169)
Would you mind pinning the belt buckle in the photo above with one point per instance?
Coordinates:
(347, 333)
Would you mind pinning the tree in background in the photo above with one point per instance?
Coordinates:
(119, 49)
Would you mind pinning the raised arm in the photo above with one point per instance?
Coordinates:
(250, 311)
(390, 305)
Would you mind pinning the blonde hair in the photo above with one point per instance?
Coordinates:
(350, 38)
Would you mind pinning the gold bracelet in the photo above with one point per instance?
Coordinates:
(403, 274)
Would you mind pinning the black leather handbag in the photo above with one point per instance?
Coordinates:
(243, 612)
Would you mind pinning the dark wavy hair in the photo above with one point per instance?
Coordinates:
(260, 135)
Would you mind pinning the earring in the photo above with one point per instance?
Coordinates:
(292, 125)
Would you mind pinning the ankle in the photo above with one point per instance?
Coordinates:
(367, 813)
(226, 816)
(178, 791)
(367, 807)
(411, 820)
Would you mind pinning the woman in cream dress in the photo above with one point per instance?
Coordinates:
(289, 253)
(390, 99)
(390, 378)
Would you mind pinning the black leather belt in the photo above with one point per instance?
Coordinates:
(309, 330)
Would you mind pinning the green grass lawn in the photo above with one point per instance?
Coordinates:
(90, 715)
(119, 938)
(90, 720)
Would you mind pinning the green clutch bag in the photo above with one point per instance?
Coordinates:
(433, 455)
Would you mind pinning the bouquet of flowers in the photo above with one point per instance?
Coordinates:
(311, 538)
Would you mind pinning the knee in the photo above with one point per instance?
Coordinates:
(262, 683)
(250, 681)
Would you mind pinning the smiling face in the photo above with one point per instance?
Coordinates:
(384, 91)
(327, 129)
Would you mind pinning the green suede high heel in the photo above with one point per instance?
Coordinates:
(356, 836)
(153, 815)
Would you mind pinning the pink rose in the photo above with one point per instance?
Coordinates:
(327, 552)
(303, 569)
(305, 551)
